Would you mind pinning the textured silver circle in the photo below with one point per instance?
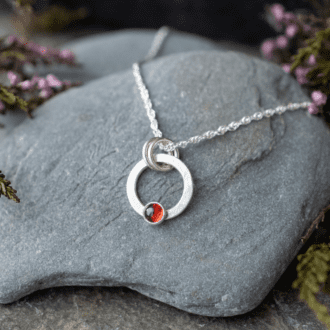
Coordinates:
(187, 185)
(148, 154)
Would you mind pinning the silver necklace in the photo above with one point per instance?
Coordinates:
(154, 213)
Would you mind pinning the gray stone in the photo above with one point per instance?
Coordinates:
(110, 308)
(256, 190)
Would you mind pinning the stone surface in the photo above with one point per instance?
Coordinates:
(66, 307)
(256, 189)
(116, 308)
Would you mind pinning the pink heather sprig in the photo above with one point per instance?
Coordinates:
(267, 48)
(14, 78)
(280, 15)
(291, 30)
(312, 60)
(278, 11)
(46, 92)
(42, 83)
(29, 84)
(319, 99)
(11, 39)
(65, 54)
(14, 39)
(26, 85)
(286, 67)
(39, 88)
(301, 73)
(282, 41)
(47, 52)
(45, 85)
(53, 81)
(289, 17)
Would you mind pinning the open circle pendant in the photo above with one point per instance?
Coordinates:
(153, 212)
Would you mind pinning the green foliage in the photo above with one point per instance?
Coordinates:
(313, 270)
(56, 18)
(12, 99)
(11, 54)
(6, 190)
(314, 47)
(25, 2)
(6, 96)
(322, 69)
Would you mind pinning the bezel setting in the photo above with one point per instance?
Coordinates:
(150, 221)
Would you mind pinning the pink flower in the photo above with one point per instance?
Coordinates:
(289, 17)
(267, 48)
(46, 93)
(14, 79)
(53, 51)
(313, 109)
(21, 41)
(319, 98)
(26, 85)
(2, 106)
(306, 28)
(12, 38)
(286, 67)
(291, 30)
(32, 46)
(42, 83)
(66, 54)
(282, 42)
(301, 75)
(42, 50)
(35, 80)
(278, 11)
(312, 60)
(53, 81)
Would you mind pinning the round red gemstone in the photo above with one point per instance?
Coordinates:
(154, 213)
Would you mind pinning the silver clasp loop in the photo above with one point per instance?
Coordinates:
(148, 155)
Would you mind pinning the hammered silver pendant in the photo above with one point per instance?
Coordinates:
(153, 212)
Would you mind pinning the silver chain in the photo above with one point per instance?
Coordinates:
(160, 36)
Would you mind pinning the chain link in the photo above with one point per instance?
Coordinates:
(160, 36)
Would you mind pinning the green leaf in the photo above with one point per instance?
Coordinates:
(10, 53)
(6, 190)
(11, 99)
(6, 96)
(22, 103)
(314, 47)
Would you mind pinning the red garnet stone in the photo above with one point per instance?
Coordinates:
(154, 212)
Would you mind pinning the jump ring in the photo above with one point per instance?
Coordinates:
(149, 158)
